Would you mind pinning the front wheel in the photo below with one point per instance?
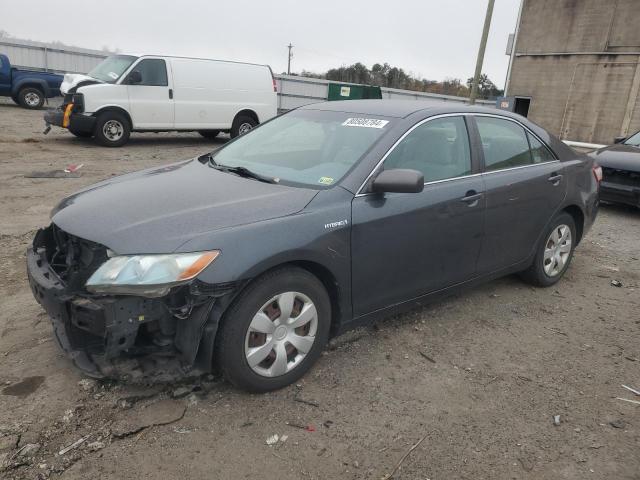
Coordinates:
(554, 253)
(274, 331)
(31, 98)
(112, 129)
(242, 124)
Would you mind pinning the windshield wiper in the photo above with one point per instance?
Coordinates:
(242, 171)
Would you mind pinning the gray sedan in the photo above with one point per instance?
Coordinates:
(248, 259)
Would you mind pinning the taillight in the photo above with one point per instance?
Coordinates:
(597, 172)
(275, 86)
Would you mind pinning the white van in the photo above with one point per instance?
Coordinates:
(151, 93)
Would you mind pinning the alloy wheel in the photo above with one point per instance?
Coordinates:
(32, 99)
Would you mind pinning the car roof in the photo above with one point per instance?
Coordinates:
(396, 108)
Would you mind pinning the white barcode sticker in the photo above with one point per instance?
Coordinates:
(365, 122)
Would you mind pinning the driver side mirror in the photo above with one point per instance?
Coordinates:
(398, 180)
(134, 77)
(619, 139)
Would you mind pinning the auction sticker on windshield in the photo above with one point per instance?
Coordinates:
(365, 122)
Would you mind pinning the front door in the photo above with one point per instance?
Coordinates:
(405, 245)
(151, 98)
(525, 184)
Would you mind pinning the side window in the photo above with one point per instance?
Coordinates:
(437, 148)
(153, 72)
(504, 144)
(539, 152)
(0, 63)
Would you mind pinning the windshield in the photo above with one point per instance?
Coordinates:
(111, 68)
(633, 140)
(305, 147)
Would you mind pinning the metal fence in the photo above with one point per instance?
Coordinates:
(293, 91)
(50, 57)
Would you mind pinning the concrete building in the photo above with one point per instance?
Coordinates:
(575, 67)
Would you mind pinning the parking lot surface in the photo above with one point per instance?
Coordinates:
(478, 378)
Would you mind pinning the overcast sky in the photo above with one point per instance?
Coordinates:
(434, 39)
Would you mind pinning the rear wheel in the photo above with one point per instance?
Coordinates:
(242, 124)
(112, 129)
(274, 331)
(554, 253)
(31, 98)
(209, 133)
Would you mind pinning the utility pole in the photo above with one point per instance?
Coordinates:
(289, 60)
(483, 46)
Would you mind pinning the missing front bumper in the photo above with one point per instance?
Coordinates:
(125, 337)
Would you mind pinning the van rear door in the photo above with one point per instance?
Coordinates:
(151, 95)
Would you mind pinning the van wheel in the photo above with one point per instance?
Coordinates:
(112, 129)
(209, 133)
(554, 253)
(31, 98)
(242, 124)
(274, 331)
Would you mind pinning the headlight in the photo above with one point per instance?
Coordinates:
(148, 275)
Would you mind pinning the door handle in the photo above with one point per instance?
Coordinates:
(171, 93)
(555, 178)
(471, 198)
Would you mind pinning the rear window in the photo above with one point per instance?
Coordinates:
(306, 147)
(504, 144)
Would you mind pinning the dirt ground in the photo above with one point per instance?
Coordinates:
(478, 378)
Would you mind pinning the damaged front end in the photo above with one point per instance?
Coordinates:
(146, 337)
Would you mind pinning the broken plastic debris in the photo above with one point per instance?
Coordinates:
(273, 439)
(556, 420)
(616, 283)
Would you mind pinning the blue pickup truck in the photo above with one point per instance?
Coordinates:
(27, 88)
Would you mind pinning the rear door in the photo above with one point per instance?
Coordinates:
(151, 99)
(405, 245)
(525, 184)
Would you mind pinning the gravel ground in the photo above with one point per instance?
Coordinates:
(477, 378)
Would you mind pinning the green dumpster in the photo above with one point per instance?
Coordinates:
(341, 91)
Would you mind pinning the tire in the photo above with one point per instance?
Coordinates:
(546, 272)
(242, 124)
(81, 134)
(112, 129)
(209, 133)
(31, 98)
(236, 342)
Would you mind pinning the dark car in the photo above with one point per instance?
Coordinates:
(248, 259)
(27, 88)
(620, 171)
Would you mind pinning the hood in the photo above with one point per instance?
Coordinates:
(158, 210)
(72, 81)
(619, 156)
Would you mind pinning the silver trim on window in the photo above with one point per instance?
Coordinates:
(460, 114)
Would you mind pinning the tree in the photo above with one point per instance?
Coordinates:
(486, 88)
(385, 75)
